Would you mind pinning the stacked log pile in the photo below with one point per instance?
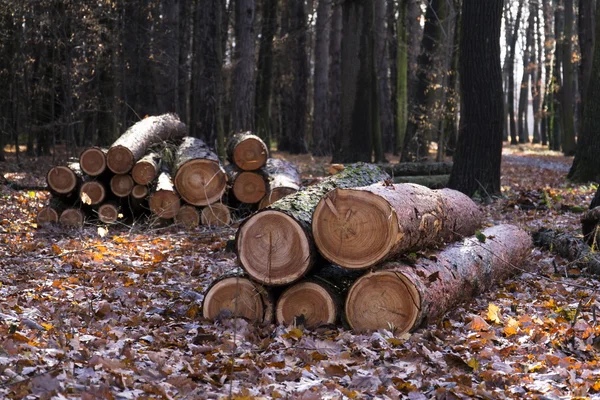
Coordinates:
(345, 251)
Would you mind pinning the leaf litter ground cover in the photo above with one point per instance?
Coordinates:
(115, 314)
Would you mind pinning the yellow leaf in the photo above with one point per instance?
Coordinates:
(394, 341)
(493, 314)
(478, 324)
(297, 333)
(55, 249)
(596, 386)
(47, 326)
(511, 327)
(473, 363)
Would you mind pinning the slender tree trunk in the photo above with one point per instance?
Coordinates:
(511, 76)
(479, 151)
(586, 46)
(536, 78)
(524, 93)
(382, 74)
(453, 100)
(402, 77)
(335, 73)
(567, 98)
(320, 128)
(392, 45)
(548, 46)
(243, 73)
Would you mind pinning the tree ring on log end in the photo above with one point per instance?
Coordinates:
(274, 195)
(307, 299)
(92, 161)
(143, 173)
(47, 215)
(92, 193)
(249, 187)
(71, 217)
(237, 295)
(354, 228)
(119, 159)
(188, 216)
(273, 248)
(139, 191)
(108, 213)
(165, 204)
(383, 299)
(121, 185)
(62, 179)
(250, 154)
(201, 182)
(216, 215)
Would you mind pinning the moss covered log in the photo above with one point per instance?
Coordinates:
(418, 168)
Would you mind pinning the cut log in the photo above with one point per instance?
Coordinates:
(275, 245)
(573, 249)
(283, 178)
(109, 212)
(92, 193)
(406, 297)
(72, 217)
(199, 177)
(139, 192)
(93, 161)
(63, 180)
(121, 185)
(357, 228)
(316, 300)
(417, 168)
(164, 201)
(237, 296)
(248, 187)
(247, 151)
(146, 170)
(589, 227)
(216, 214)
(188, 216)
(430, 181)
(132, 145)
(138, 204)
(51, 212)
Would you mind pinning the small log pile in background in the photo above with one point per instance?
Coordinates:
(343, 251)
(155, 171)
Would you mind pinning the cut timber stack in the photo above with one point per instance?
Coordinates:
(283, 178)
(275, 245)
(137, 174)
(247, 151)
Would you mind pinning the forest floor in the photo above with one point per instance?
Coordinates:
(115, 314)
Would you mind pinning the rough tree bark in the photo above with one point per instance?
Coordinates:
(568, 96)
(479, 150)
(283, 178)
(243, 74)
(524, 93)
(247, 151)
(321, 134)
(511, 75)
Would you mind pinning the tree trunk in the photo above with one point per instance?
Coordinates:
(133, 144)
(247, 151)
(536, 79)
(382, 79)
(275, 245)
(321, 135)
(354, 141)
(93, 161)
(429, 181)
(479, 150)
(283, 178)
(243, 74)
(548, 46)
(524, 94)
(417, 168)
(423, 292)
(586, 164)
(587, 38)
(589, 227)
(199, 177)
(146, 169)
(235, 296)
(264, 77)
(295, 93)
(511, 75)
(555, 124)
(402, 77)
(164, 201)
(335, 74)
(573, 249)
(358, 228)
(568, 95)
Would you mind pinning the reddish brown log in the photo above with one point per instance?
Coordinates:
(133, 144)
(410, 296)
(93, 161)
(50, 213)
(247, 151)
(248, 187)
(199, 177)
(63, 180)
(188, 216)
(121, 185)
(216, 214)
(146, 170)
(92, 193)
(236, 296)
(164, 201)
(109, 212)
(360, 227)
(72, 217)
(283, 178)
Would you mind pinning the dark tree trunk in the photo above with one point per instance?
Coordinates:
(479, 150)
(511, 75)
(295, 93)
(354, 140)
(586, 46)
(568, 95)
(382, 73)
(524, 93)
(586, 164)
(243, 74)
(548, 45)
(335, 73)
(556, 126)
(392, 42)
(402, 73)
(264, 77)
(320, 128)
(536, 79)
